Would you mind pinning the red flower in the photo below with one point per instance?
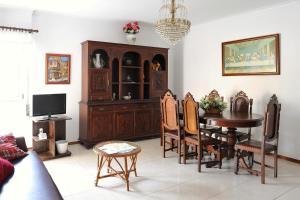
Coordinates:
(131, 27)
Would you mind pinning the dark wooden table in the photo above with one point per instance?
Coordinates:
(232, 121)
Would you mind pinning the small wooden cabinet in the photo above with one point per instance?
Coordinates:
(126, 70)
(55, 128)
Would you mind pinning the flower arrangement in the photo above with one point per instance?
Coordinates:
(131, 27)
(215, 105)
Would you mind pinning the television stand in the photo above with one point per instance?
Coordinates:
(56, 130)
(48, 118)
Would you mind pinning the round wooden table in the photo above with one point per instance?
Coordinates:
(124, 171)
(232, 121)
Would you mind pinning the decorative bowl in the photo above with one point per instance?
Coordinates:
(128, 61)
(127, 97)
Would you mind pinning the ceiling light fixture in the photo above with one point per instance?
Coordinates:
(172, 24)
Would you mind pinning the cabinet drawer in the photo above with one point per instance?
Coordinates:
(126, 107)
(101, 108)
(144, 106)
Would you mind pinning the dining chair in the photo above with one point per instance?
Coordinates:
(240, 103)
(268, 144)
(170, 123)
(192, 134)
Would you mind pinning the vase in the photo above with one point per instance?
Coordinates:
(131, 38)
(98, 61)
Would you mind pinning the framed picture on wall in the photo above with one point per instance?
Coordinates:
(58, 68)
(251, 56)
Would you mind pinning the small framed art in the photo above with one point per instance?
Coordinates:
(58, 68)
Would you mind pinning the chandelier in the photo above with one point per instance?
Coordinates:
(172, 24)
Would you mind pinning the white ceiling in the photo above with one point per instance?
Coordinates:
(141, 10)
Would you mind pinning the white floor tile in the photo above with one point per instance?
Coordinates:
(160, 178)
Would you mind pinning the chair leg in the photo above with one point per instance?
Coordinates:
(237, 161)
(220, 156)
(179, 150)
(250, 159)
(199, 149)
(275, 163)
(263, 168)
(161, 140)
(164, 146)
(227, 150)
(172, 144)
(184, 152)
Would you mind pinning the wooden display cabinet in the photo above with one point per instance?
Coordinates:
(128, 69)
(56, 130)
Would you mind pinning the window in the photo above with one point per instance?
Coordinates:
(15, 56)
(16, 52)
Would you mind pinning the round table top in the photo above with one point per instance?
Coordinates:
(233, 119)
(130, 153)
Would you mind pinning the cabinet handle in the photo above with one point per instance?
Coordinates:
(124, 107)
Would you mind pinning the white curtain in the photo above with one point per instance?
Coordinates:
(16, 57)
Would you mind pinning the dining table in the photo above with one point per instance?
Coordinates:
(231, 121)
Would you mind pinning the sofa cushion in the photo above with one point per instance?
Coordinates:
(31, 181)
(8, 139)
(6, 169)
(10, 151)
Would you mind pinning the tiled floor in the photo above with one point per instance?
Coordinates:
(160, 178)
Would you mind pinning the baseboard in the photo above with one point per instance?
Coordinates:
(289, 159)
(74, 142)
(286, 158)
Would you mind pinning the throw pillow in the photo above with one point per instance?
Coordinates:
(10, 151)
(9, 138)
(6, 169)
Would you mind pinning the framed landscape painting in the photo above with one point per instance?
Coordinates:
(58, 68)
(252, 56)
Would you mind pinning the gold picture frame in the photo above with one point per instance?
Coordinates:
(58, 68)
(251, 56)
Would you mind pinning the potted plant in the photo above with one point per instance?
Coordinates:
(131, 29)
(213, 105)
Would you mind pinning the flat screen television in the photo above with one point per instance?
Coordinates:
(48, 104)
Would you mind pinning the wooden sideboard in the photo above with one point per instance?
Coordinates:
(104, 114)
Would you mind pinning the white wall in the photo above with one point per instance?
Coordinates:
(15, 17)
(62, 34)
(203, 65)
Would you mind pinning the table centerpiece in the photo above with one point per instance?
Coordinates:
(212, 105)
